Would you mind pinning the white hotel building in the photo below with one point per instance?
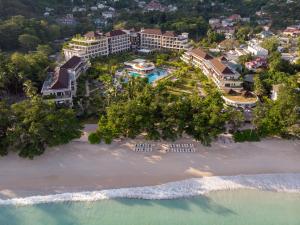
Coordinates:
(118, 41)
(95, 44)
(91, 45)
(156, 39)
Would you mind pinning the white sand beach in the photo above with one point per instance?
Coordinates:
(79, 166)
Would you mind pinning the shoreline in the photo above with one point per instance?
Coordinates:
(288, 183)
(79, 166)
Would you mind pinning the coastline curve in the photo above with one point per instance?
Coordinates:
(289, 182)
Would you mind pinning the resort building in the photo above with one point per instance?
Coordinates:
(92, 44)
(222, 75)
(227, 79)
(61, 84)
(156, 39)
(118, 41)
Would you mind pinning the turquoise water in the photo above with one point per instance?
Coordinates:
(242, 207)
(151, 76)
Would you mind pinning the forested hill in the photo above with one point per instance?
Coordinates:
(282, 12)
(30, 8)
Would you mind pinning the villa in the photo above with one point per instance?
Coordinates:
(255, 49)
(61, 84)
(256, 63)
(226, 78)
(94, 44)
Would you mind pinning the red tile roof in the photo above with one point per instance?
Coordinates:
(115, 33)
(152, 31)
(169, 34)
(198, 52)
(61, 79)
(92, 34)
(220, 67)
(72, 63)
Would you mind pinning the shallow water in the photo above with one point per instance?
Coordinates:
(238, 207)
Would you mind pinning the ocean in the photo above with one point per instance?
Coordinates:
(230, 207)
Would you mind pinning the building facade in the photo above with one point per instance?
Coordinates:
(95, 44)
(118, 41)
(91, 45)
(61, 84)
(156, 39)
(226, 78)
(223, 76)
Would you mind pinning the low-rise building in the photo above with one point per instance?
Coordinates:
(61, 84)
(257, 50)
(226, 78)
(215, 68)
(155, 5)
(292, 31)
(256, 63)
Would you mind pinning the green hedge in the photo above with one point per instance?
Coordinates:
(246, 135)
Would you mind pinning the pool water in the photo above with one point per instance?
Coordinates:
(152, 77)
(240, 207)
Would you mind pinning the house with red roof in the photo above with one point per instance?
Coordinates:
(259, 62)
(61, 84)
(155, 5)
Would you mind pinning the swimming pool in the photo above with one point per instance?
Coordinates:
(153, 76)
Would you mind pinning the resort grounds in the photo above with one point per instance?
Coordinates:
(80, 166)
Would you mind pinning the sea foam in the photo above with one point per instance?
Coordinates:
(180, 189)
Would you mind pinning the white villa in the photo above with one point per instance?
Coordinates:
(257, 50)
(61, 84)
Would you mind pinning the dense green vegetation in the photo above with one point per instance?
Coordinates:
(160, 114)
(186, 102)
(246, 135)
(18, 68)
(164, 111)
(29, 126)
(280, 117)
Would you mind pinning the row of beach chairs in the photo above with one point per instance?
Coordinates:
(143, 148)
(181, 146)
(181, 150)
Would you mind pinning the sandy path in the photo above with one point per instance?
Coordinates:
(81, 166)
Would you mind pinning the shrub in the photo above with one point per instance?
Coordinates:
(94, 138)
(246, 135)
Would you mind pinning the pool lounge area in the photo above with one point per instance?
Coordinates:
(144, 69)
(153, 76)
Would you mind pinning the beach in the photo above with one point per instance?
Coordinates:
(80, 166)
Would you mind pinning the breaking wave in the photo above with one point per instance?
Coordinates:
(180, 189)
